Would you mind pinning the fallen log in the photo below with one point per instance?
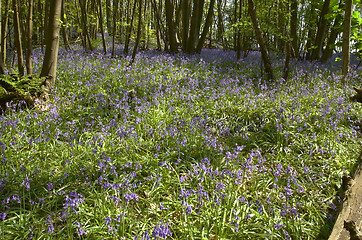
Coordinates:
(348, 225)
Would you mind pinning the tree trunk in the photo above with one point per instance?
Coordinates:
(2, 65)
(195, 24)
(259, 38)
(294, 28)
(138, 30)
(185, 23)
(17, 36)
(207, 26)
(49, 68)
(4, 32)
(129, 31)
(287, 61)
(346, 40)
(322, 28)
(220, 24)
(101, 25)
(114, 26)
(64, 30)
(108, 16)
(311, 30)
(29, 38)
(83, 8)
(169, 9)
(328, 51)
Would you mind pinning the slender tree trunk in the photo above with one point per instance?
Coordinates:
(294, 28)
(311, 30)
(208, 23)
(114, 26)
(4, 32)
(322, 28)
(83, 8)
(220, 24)
(19, 48)
(64, 28)
(49, 68)
(129, 31)
(101, 25)
(195, 26)
(158, 26)
(29, 38)
(2, 65)
(138, 30)
(185, 23)
(169, 9)
(108, 16)
(287, 61)
(282, 24)
(259, 37)
(346, 39)
(328, 51)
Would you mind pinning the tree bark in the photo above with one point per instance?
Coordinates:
(138, 30)
(322, 28)
(129, 31)
(114, 26)
(17, 39)
(346, 40)
(29, 38)
(2, 65)
(207, 26)
(185, 23)
(259, 37)
(101, 25)
(49, 68)
(4, 32)
(83, 8)
(64, 29)
(294, 28)
(169, 9)
(195, 26)
(328, 51)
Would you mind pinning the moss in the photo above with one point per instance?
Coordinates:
(19, 90)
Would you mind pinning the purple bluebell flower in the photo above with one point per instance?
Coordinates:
(161, 230)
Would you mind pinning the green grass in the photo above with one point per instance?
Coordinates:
(205, 150)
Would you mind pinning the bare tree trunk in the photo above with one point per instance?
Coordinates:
(29, 38)
(19, 48)
(259, 37)
(108, 15)
(185, 23)
(195, 26)
(346, 40)
(101, 25)
(2, 65)
(138, 30)
(49, 68)
(4, 32)
(287, 61)
(207, 26)
(114, 26)
(322, 28)
(83, 8)
(328, 51)
(64, 30)
(129, 31)
(220, 24)
(169, 9)
(294, 28)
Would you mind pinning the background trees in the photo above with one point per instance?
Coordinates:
(308, 29)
